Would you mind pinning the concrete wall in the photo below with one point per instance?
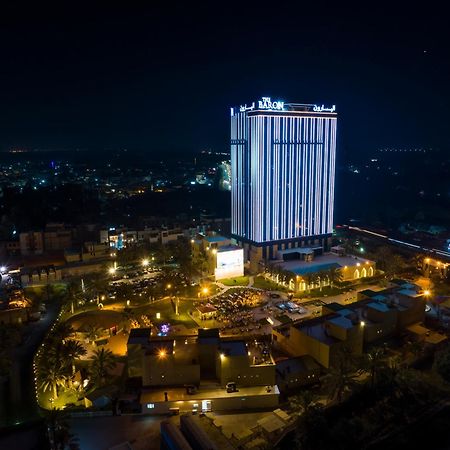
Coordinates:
(237, 369)
(19, 315)
(414, 314)
(159, 371)
(220, 404)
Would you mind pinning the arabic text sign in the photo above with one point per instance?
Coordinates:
(322, 108)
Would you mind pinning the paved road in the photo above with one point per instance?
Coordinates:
(101, 433)
(17, 395)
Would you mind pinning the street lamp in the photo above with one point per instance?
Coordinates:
(145, 262)
(112, 270)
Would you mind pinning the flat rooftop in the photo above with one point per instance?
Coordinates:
(316, 329)
(300, 364)
(213, 239)
(322, 262)
(233, 348)
(379, 306)
(409, 293)
(228, 248)
(180, 395)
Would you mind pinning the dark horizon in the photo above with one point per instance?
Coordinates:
(161, 79)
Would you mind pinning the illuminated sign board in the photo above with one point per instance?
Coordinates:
(322, 108)
(244, 108)
(229, 264)
(266, 103)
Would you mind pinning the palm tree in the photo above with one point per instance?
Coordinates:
(72, 350)
(334, 276)
(320, 278)
(303, 402)
(73, 295)
(382, 256)
(102, 362)
(342, 375)
(51, 374)
(98, 286)
(59, 431)
(93, 332)
(309, 279)
(395, 264)
(62, 331)
(373, 363)
(57, 338)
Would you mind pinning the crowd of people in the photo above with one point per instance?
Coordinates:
(234, 310)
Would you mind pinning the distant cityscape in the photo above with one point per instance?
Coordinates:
(218, 297)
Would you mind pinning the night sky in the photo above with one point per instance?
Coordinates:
(162, 78)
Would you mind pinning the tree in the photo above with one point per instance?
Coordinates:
(309, 278)
(382, 256)
(57, 338)
(395, 264)
(98, 285)
(73, 295)
(320, 278)
(303, 402)
(373, 362)
(10, 336)
(51, 374)
(61, 331)
(72, 350)
(93, 332)
(441, 363)
(60, 436)
(342, 375)
(102, 362)
(334, 276)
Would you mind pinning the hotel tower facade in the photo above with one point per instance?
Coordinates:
(282, 176)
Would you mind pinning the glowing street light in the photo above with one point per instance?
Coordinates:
(426, 292)
(145, 262)
(112, 270)
(205, 291)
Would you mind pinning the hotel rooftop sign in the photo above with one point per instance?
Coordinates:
(265, 103)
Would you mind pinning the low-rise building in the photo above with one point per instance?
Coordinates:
(307, 268)
(363, 322)
(293, 373)
(174, 369)
(224, 259)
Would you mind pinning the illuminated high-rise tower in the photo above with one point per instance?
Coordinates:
(282, 176)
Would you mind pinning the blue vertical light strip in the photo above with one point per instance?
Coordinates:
(283, 172)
